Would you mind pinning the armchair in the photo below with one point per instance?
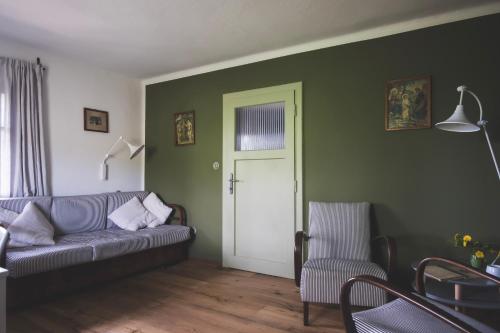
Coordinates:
(410, 312)
(339, 247)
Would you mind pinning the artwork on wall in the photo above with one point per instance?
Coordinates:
(184, 128)
(408, 104)
(95, 120)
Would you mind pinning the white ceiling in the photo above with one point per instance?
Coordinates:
(145, 38)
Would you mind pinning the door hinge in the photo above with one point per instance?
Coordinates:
(295, 185)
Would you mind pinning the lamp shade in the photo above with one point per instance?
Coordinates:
(134, 150)
(458, 122)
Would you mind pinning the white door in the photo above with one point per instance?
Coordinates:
(262, 203)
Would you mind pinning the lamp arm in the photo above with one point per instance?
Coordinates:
(111, 149)
(491, 149)
(482, 123)
(478, 102)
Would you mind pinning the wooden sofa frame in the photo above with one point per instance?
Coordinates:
(43, 286)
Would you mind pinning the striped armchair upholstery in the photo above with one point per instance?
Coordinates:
(410, 312)
(339, 249)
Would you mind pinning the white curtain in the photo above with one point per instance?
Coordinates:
(22, 154)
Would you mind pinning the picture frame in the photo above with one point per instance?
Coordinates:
(408, 103)
(95, 120)
(184, 128)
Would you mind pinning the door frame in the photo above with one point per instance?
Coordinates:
(227, 99)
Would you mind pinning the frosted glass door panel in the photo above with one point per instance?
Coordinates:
(260, 127)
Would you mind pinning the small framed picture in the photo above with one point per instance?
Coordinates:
(184, 128)
(408, 104)
(95, 120)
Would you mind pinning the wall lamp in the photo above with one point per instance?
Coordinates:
(134, 151)
(458, 122)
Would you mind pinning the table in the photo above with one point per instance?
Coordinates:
(463, 292)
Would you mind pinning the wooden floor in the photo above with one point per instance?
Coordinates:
(194, 296)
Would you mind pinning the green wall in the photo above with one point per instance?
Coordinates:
(425, 184)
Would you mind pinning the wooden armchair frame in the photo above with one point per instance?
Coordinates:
(409, 297)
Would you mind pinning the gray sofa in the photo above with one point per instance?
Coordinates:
(87, 241)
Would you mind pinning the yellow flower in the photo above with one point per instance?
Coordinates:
(467, 239)
(479, 254)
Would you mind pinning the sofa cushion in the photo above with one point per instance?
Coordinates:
(108, 243)
(157, 208)
(132, 215)
(82, 213)
(165, 235)
(31, 227)
(37, 259)
(17, 204)
(7, 217)
(116, 199)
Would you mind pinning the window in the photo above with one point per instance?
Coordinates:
(260, 127)
(4, 148)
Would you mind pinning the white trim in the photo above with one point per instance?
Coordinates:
(143, 134)
(386, 30)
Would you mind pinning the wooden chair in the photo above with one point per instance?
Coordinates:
(339, 249)
(410, 312)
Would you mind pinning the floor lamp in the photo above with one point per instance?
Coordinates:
(458, 122)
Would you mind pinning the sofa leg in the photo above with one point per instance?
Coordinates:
(306, 313)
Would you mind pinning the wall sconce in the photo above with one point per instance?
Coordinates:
(134, 151)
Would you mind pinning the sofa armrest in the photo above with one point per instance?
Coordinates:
(179, 214)
(298, 258)
(389, 252)
(4, 239)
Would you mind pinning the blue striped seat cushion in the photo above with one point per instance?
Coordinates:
(116, 199)
(36, 259)
(322, 280)
(108, 243)
(339, 230)
(165, 234)
(401, 316)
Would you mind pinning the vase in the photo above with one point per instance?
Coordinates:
(476, 262)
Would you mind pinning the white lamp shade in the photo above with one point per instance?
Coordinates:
(134, 150)
(458, 122)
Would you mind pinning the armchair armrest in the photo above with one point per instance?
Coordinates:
(420, 285)
(179, 214)
(4, 238)
(390, 253)
(298, 258)
(406, 296)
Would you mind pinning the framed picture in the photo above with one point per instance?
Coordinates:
(95, 120)
(184, 128)
(408, 104)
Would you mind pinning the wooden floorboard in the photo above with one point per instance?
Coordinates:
(194, 296)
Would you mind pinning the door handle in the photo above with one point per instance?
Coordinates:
(232, 180)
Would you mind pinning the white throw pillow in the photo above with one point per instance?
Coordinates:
(132, 215)
(7, 217)
(31, 227)
(157, 208)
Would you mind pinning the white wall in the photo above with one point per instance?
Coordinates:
(74, 155)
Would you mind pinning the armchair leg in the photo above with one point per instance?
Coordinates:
(306, 313)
